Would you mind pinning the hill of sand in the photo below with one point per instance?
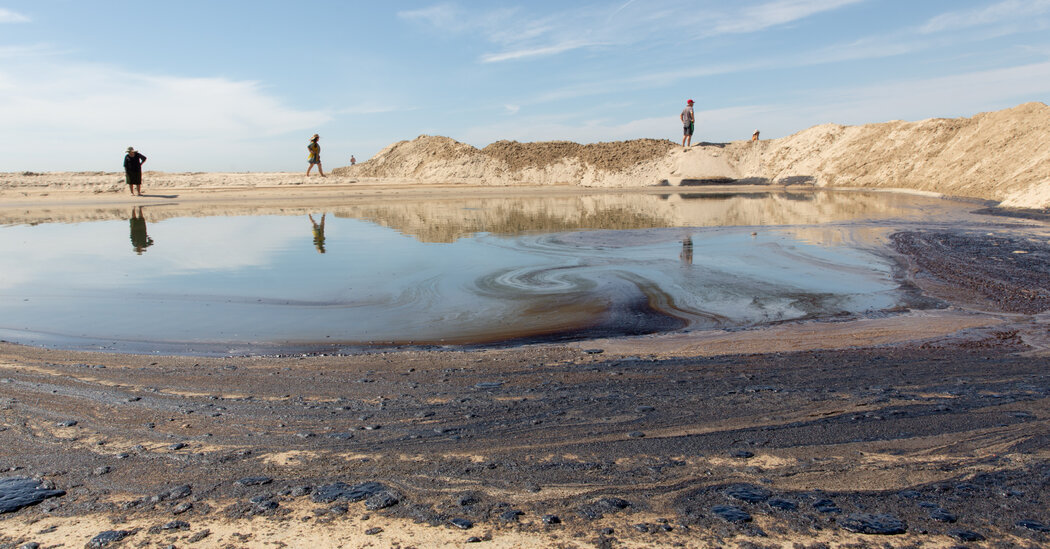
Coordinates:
(1002, 156)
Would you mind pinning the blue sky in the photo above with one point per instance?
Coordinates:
(241, 85)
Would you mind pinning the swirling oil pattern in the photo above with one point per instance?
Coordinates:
(282, 283)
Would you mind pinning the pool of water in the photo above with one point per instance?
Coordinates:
(240, 279)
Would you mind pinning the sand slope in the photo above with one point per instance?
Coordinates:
(1002, 156)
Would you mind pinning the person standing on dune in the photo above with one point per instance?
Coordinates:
(315, 156)
(688, 119)
(133, 162)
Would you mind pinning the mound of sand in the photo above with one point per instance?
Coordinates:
(1002, 156)
(437, 159)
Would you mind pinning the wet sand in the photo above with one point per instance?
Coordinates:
(921, 428)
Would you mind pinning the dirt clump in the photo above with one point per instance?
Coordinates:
(615, 155)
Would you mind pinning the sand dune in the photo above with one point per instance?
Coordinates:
(1002, 156)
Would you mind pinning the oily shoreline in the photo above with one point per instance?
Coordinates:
(640, 449)
(922, 428)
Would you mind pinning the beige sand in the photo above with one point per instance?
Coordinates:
(1001, 156)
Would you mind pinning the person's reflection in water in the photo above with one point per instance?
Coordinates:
(139, 239)
(318, 232)
(687, 251)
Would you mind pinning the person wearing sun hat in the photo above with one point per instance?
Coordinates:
(133, 162)
(315, 155)
(688, 119)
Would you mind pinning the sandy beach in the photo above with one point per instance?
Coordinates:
(907, 428)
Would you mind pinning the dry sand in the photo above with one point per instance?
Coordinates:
(1001, 156)
(936, 422)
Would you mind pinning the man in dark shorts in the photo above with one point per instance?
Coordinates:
(688, 119)
(133, 162)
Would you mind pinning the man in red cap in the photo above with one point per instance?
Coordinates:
(688, 119)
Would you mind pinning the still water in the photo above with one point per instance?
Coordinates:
(340, 277)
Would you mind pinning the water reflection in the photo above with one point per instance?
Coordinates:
(448, 219)
(318, 232)
(413, 272)
(140, 240)
(687, 251)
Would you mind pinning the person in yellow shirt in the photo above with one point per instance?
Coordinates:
(315, 156)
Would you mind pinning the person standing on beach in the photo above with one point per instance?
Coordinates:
(688, 119)
(133, 162)
(353, 161)
(315, 156)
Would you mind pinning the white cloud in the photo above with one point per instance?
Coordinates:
(23, 51)
(8, 16)
(512, 109)
(373, 108)
(62, 115)
(520, 35)
(752, 19)
(442, 16)
(100, 98)
(536, 52)
(1008, 10)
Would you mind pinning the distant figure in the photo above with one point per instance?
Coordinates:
(353, 161)
(315, 156)
(139, 239)
(133, 162)
(687, 251)
(754, 136)
(688, 120)
(318, 233)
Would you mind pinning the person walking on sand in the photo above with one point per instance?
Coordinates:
(754, 136)
(688, 120)
(133, 162)
(353, 161)
(315, 156)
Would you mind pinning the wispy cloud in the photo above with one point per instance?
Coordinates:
(536, 52)
(8, 16)
(771, 14)
(519, 35)
(374, 108)
(903, 41)
(1006, 11)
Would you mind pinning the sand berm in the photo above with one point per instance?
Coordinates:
(1003, 156)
